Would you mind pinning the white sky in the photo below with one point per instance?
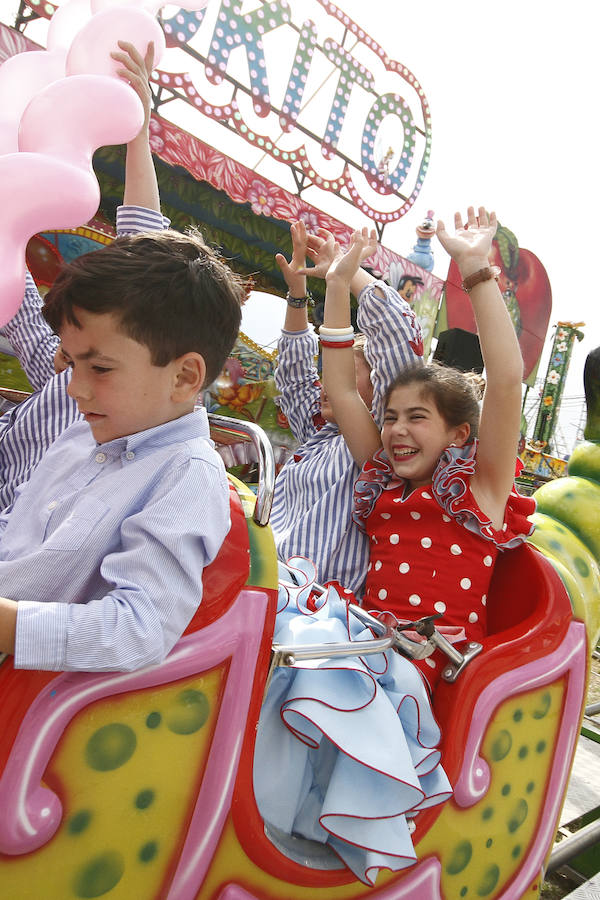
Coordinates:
(512, 89)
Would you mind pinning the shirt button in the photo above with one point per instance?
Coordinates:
(53, 504)
(130, 454)
(100, 457)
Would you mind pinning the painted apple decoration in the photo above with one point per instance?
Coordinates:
(526, 290)
(43, 260)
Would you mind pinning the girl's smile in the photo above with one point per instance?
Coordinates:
(415, 434)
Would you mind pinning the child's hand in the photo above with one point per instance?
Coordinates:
(293, 271)
(472, 244)
(136, 72)
(322, 248)
(345, 265)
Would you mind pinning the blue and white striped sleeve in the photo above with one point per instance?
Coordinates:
(31, 337)
(394, 339)
(136, 219)
(297, 380)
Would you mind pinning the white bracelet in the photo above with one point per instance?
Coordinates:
(334, 332)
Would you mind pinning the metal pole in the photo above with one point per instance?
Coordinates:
(571, 846)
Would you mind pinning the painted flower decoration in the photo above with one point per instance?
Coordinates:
(260, 200)
(562, 346)
(554, 377)
(156, 139)
(562, 334)
(548, 401)
(310, 219)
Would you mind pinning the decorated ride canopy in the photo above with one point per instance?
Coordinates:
(246, 211)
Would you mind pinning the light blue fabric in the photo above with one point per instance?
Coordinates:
(105, 546)
(346, 748)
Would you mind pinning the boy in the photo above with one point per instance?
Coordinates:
(101, 555)
(312, 508)
(29, 429)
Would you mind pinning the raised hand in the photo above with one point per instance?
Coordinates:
(297, 265)
(136, 71)
(472, 243)
(344, 266)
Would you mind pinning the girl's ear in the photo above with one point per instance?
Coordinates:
(190, 375)
(461, 434)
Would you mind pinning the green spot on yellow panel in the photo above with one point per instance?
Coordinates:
(518, 815)
(505, 790)
(460, 858)
(153, 720)
(516, 851)
(518, 715)
(542, 709)
(144, 799)
(148, 852)
(501, 745)
(110, 747)
(555, 545)
(464, 891)
(489, 843)
(523, 751)
(540, 746)
(487, 813)
(189, 712)
(79, 821)
(489, 881)
(581, 566)
(99, 875)
(530, 787)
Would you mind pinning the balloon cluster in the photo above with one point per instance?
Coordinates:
(57, 107)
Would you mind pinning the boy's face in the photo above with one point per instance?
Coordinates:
(118, 390)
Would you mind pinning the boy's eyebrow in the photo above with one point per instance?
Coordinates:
(92, 352)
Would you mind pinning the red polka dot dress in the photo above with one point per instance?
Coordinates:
(433, 550)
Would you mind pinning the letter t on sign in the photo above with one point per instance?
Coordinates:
(232, 30)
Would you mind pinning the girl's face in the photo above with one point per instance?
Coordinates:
(414, 434)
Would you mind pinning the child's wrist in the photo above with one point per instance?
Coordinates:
(469, 266)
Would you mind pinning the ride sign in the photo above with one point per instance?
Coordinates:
(306, 86)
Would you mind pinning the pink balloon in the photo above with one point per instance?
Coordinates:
(74, 116)
(68, 19)
(21, 77)
(37, 192)
(100, 5)
(51, 183)
(91, 48)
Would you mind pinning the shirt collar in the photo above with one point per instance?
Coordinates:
(189, 427)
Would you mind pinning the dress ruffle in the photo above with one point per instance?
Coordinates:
(451, 487)
(347, 749)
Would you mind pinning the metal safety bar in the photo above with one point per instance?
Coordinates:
(224, 430)
(391, 636)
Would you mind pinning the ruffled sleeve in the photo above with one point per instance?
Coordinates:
(451, 485)
(374, 477)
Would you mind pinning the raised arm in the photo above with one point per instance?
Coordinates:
(501, 410)
(352, 416)
(141, 186)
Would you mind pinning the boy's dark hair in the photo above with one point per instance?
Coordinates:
(171, 292)
(456, 394)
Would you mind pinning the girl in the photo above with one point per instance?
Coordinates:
(436, 493)
(347, 749)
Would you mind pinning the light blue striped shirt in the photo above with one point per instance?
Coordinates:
(105, 545)
(29, 429)
(312, 508)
